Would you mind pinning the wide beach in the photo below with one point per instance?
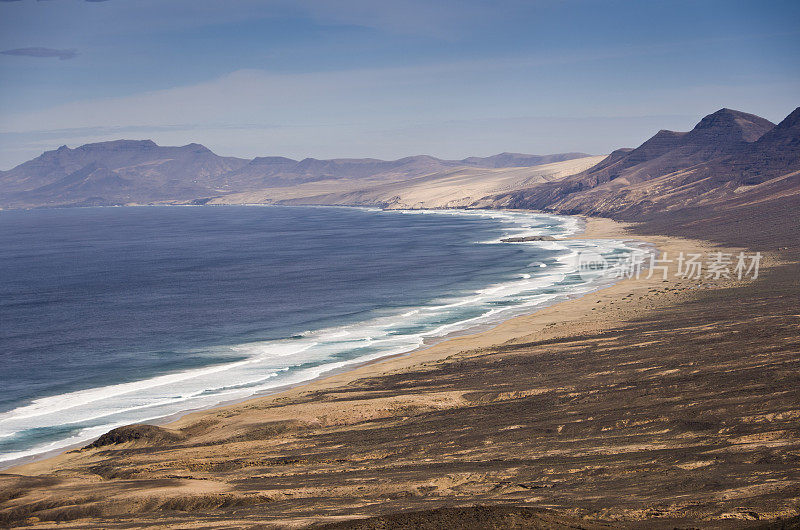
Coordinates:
(560, 410)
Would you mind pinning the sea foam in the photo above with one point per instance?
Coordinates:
(264, 366)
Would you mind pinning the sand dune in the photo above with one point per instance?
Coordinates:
(452, 188)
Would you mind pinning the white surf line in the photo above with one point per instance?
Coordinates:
(62, 402)
(521, 221)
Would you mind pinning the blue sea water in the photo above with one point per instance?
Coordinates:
(112, 316)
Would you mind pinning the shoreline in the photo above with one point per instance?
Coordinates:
(643, 403)
(578, 229)
(483, 335)
(477, 329)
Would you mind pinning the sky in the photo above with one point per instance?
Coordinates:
(357, 78)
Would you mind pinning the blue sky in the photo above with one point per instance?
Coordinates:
(386, 79)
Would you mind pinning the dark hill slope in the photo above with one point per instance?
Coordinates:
(719, 160)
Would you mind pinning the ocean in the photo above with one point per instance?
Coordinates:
(112, 316)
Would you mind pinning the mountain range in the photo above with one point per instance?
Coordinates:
(140, 171)
(734, 178)
(730, 163)
(727, 154)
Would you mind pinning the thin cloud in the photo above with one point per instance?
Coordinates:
(41, 52)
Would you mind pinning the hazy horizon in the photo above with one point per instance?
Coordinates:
(358, 79)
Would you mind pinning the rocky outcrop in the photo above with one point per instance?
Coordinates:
(150, 434)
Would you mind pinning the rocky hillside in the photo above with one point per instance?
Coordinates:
(115, 172)
(729, 157)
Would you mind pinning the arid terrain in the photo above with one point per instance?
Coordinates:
(729, 159)
(649, 404)
(128, 172)
(453, 188)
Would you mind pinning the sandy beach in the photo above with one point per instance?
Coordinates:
(400, 265)
(560, 412)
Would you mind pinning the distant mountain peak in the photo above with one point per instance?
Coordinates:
(272, 160)
(724, 115)
(119, 145)
(196, 148)
(508, 159)
(417, 158)
(732, 125)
